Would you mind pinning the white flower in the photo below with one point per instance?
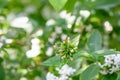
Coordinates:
(108, 26)
(32, 53)
(63, 37)
(37, 78)
(35, 48)
(85, 13)
(67, 16)
(58, 30)
(111, 65)
(35, 41)
(22, 22)
(104, 72)
(8, 41)
(54, 35)
(49, 51)
(50, 22)
(66, 70)
(1, 44)
(51, 40)
(63, 77)
(51, 76)
(23, 78)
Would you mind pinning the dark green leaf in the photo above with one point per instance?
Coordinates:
(109, 77)
(1, 60)
(90, 72)
(2, 73)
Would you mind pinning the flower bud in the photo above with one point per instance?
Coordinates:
(71, 50)
(63, 57)
(54, 46)
(71, 58)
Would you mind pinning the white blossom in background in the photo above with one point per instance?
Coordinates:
(69, 26)
(35, 41)
(63, 37)
(85, 13)
(67, 16)
(64, 72)
(51, 76)
(58, 30)
(111, 64)
(39, 32)
(108, 26)
(32, 53)
(22, 22)
(23, 78)
(30, 9)
(35, 48)
(51, 40)
(37, 78)
(1, 44)
(49, 51)
(50, 22)
(63, 77)
(8, 41)
(53, 37)
(1, 31)
(2, 18)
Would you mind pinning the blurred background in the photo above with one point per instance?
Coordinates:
(30, 28)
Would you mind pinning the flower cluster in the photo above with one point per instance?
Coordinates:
(35, 48)
(111, 65)
(66, 49)
(64, 72)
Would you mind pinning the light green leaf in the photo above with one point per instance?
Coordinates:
(118, 76)
(95, 41)
(58, 4)
(70, 5)
(75, 40)
(53, 61)
(90, 72)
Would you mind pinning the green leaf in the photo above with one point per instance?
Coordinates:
(75, 40)
(2, 73)
(90, 72)
(58, 4)
(1, 60)
(102, 4)
(3, 3)
(53, 61)
(118, 76)
(95, 41)
(70, 5)
(109, 77)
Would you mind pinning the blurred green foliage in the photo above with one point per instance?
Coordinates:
(23, 20)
